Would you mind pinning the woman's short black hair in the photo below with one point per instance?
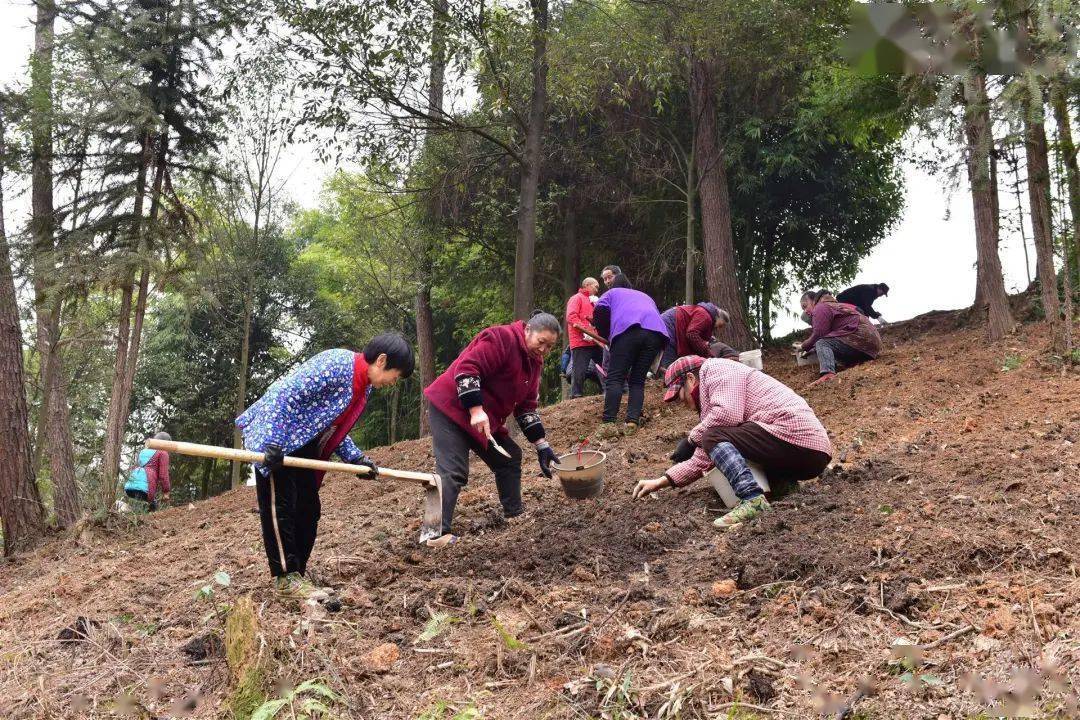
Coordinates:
(621, 281)
(399, 353)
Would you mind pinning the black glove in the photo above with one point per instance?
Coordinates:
(368, 462)
(273, 458)
(684, 451)
(546, 456)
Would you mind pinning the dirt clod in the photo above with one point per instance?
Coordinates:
(382, 658)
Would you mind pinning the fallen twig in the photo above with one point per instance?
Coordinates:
(951, 636)
(563, 631)
(748, 706)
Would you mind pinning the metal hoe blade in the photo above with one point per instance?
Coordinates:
(497, 446)
(431, 527)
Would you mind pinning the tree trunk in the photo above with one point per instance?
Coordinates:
(53, 415)
(1014, 165)
(116, 418)
(425, 340)
(425, 323)
(571, 271)
(144, 284)
(691, 211)
(236, 478)
(530, 169)
(1067, 153)
(1038, 170)
(721, 275)
(21, 515)
(977, 128)
(395, 401)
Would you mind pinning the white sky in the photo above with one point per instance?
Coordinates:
(928, 260)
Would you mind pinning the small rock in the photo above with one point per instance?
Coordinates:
(202, 647)
(358, 597)
(580, 573)
(1000, 623)
(760, 686)
(722, 589)
(382, 658)
(653, 527)
(691, 596)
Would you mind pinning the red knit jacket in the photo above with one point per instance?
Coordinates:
(693, 330)
(509, 379)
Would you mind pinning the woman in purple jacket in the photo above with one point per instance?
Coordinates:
(632, 324)
(840, 334)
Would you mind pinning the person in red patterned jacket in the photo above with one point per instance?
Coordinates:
(579, 316)
(496, 375)
(745, 415)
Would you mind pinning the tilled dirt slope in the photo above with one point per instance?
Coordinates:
(949, 520)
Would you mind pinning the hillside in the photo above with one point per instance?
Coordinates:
(949, 521)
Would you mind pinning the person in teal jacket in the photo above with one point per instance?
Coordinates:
(149, 479)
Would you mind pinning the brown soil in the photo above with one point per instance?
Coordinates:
(952, 505)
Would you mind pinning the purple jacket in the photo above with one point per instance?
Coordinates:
(845, 323)
(631, 307)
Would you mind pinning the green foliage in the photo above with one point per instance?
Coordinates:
(220, 579)
(310, 700)
(1012, 362)
(444, 710)
(507, 638)
(439, 623)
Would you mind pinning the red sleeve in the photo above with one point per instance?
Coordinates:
(162, 459)
(699, 332)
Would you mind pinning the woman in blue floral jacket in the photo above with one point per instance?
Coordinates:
(309, 413)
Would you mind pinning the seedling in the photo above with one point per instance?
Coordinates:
(508, 639)
(310, 700)
(437, 625)
(206, 592)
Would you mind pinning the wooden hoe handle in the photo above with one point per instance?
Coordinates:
(222, 453)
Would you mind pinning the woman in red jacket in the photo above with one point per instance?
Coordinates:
(579, 315)
(497, 375)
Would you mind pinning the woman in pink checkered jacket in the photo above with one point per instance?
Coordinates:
(745, 415)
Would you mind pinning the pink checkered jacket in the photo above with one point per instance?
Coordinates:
(731, 394)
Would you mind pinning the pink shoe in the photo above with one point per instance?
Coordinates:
(825, 377)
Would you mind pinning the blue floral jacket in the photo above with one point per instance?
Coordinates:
(302, 405)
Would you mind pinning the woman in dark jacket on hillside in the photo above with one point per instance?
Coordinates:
(632, 324)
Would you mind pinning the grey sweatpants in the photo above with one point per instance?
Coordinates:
(452, 444)
(833, 350)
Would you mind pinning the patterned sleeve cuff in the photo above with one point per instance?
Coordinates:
(531, 427)
(684, 473)
(468, 391)
(348, 451)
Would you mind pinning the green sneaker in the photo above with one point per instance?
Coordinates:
(294, 585)
(743, 512)
(608, 431)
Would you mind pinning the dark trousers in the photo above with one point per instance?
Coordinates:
(141, 495)
(784, 463)
(452, 444)
(832, 351)
(671, 354)
(632, 354)
(289, 511)
(580, 358)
